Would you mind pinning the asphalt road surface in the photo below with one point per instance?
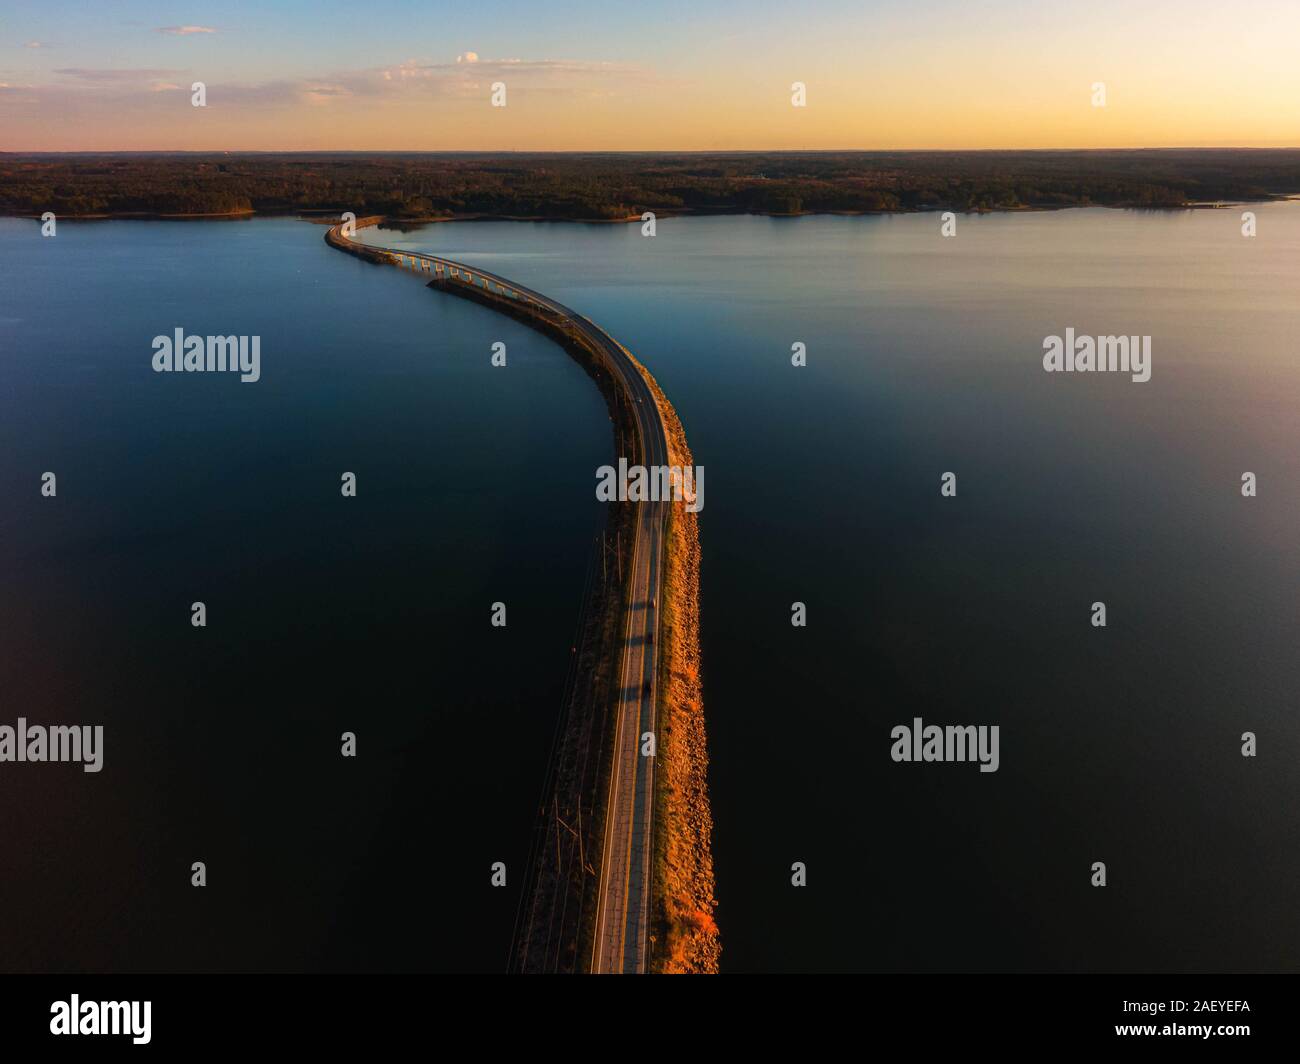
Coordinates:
(623, 900)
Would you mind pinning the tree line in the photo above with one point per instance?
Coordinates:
(615, 186)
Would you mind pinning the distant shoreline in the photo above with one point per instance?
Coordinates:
(620, 189)
(138, 216)
(673, 212)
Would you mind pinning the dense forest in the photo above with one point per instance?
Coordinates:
(616, 186)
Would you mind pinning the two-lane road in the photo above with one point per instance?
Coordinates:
(623, 897)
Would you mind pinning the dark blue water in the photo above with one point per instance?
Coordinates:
(325, 614)
(1119, 745)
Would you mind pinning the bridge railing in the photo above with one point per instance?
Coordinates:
(447, 271)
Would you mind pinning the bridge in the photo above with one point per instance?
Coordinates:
(620, 941)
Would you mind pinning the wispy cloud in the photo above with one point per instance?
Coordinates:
(116, 75)
(471, 71)
(37, 44)
(412, 83)
(323, 94)
(11, 93)
(184, 31)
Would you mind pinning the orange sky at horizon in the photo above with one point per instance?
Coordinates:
(1003, 75)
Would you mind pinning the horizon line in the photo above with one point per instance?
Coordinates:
(630, 151)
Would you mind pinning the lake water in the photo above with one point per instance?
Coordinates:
(475, 485)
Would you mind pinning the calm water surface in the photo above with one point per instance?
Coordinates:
(1120, 745)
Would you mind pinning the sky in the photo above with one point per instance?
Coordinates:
(118, 75)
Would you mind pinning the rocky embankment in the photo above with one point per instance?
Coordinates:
(682, 920)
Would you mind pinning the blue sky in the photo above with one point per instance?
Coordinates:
(927, 73)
